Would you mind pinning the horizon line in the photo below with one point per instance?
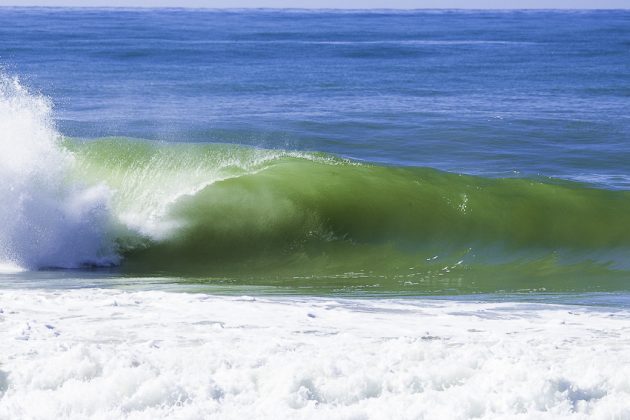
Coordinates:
(338, 9)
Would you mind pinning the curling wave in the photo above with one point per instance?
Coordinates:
(226, 211)
(222, 210)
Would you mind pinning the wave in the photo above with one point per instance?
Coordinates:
(227, 211)
(231, 211)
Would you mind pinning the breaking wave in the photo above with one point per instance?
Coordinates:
(47, 218)
(226, 210)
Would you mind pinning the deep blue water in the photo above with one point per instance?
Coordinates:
(496, 93)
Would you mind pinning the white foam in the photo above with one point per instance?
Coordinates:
(46, 219)
(144, 355)
(9, 268)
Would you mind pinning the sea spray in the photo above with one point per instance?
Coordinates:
(47, 219)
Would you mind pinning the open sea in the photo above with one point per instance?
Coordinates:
(422, 211)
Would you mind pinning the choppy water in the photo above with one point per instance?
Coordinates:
(306, 151)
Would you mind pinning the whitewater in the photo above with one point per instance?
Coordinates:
(100, 354)
(46, 219)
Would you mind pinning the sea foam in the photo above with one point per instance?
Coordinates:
(154, 355)
(47, 219)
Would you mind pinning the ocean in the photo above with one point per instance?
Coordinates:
(391, 209)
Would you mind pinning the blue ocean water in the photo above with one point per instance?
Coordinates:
(304, 151)
(509, 93)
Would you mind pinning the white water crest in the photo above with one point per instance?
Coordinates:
(156, 355)
(47, 219)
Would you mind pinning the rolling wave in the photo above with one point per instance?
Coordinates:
(223, 210)
(227, 211)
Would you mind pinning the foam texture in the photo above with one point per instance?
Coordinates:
(102, 354)
(47, 219)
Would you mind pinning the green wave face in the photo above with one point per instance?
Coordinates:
(308, 221)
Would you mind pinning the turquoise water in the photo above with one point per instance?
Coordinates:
(349, 153)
